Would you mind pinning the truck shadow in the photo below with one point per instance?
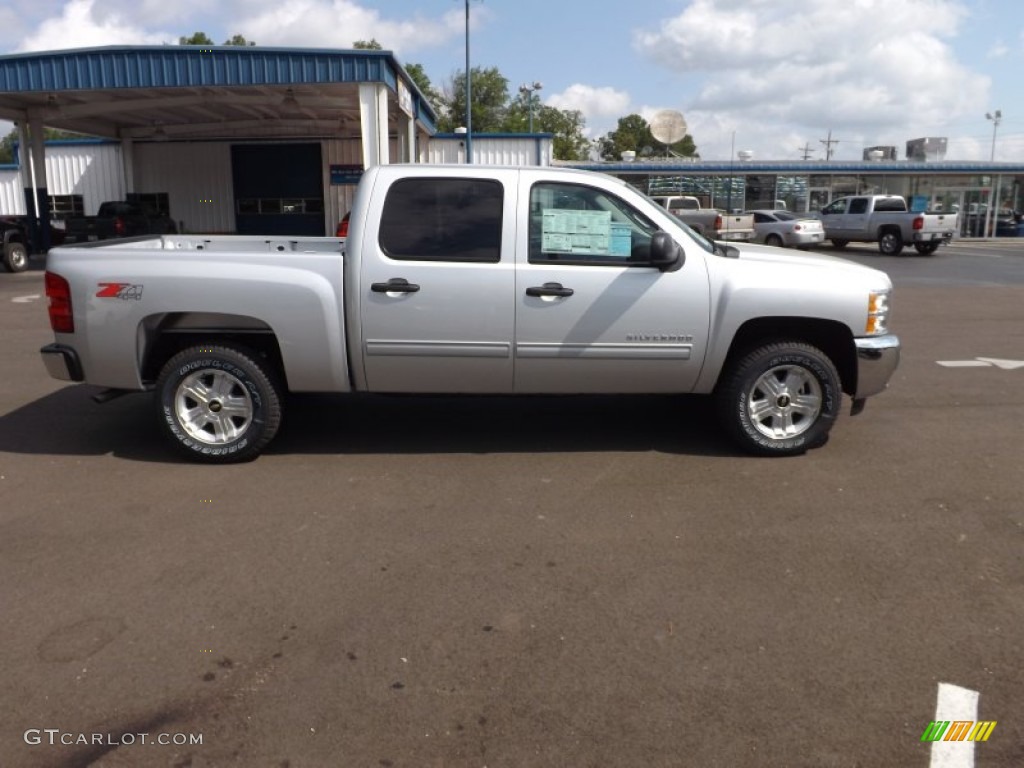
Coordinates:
(67, 422)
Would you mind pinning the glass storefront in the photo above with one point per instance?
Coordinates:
(986, 204)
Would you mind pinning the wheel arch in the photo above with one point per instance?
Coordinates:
(831, 337)
(163, 336)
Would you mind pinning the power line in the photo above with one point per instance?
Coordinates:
(806, 150)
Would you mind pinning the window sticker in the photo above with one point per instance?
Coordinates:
(576, 232)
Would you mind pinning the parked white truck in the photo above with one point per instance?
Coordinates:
(711, 223)
(886, 220)
(471, 279)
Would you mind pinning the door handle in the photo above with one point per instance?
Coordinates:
(395, 285)
(549, 289)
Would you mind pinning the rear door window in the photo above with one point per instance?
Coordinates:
(443, 219)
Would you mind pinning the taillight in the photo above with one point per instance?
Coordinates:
(919, 222)
(796, 227)
(342, 227)
(718, 221)
(119, 227)
(59, 293)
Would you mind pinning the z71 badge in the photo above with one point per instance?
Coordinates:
(123, 291)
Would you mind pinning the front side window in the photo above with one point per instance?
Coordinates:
(839, 206)
(443, 219)
(572, 223)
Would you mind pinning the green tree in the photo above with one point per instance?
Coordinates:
(368, 45)
(490, 101)
(567, 125)
(634, 134)
(197, 38)
(419, 76)
(201, 38)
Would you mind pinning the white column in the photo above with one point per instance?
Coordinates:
(373, 118)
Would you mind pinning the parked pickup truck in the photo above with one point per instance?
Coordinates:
(477, 280)
(708, 221)
(118, 218)
(886, 220)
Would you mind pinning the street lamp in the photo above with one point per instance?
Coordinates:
(527, 90)
(995, 117)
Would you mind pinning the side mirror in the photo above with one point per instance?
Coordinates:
(666, 253)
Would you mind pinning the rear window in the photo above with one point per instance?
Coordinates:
(443, 219)
(890, 204)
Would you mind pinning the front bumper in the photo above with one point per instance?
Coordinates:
(877, 358)
(62, 362)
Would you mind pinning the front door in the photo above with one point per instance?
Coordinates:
(437, 286)
(591, 314)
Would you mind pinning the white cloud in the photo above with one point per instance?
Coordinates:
(601, 106)
(774, 68)
(338, 24)
(81, 25)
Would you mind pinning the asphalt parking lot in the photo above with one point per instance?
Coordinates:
(537, 582)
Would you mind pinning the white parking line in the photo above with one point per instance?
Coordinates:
(954, 703)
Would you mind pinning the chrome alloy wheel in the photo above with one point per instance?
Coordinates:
(784, 402)
(213, 407)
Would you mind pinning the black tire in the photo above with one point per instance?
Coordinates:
(807, 397)
(840, 244)
(926, 249)
(774, 240)
(15, 257)
(890, 243)
(218, 404)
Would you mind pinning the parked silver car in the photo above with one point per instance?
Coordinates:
(785, 229)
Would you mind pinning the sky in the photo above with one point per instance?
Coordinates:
(772, 77)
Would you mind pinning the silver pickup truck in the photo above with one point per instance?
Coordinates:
(471, 279)
(886, 220)
(708, 222)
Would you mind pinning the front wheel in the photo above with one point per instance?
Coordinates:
(218, 404)
(16, 257)
(926, 249)
(780, 399)
(839, 244)
(890, 243)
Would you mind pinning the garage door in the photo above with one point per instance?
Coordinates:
(278, 189)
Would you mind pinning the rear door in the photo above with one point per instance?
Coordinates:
(591, 314)
(437, 289)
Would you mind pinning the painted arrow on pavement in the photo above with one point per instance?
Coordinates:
(983, 362)
(27, 299)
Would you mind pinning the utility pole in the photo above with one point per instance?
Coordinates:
(469, 97)
(806, 150)
(828, 144)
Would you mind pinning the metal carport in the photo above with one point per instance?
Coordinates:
(194, 93)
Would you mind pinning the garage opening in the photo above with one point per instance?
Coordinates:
(278, 189)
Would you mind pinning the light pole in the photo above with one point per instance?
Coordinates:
(995, 117)
(469, 97)
(993, 195)
(527, 90)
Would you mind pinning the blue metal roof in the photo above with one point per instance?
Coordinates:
(171, 66)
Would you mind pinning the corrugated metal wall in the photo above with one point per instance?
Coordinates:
(497, 151)
(12, 194)
(197, 179)
(338, 197)
(93, 171)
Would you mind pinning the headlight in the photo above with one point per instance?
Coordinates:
(878, 313)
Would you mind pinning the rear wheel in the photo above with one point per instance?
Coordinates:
(780, 399)
(926, 249)
(16, 257)
(774, 240)
(218, 403)
(890, 243)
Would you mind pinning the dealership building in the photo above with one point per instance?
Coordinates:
(257, 140)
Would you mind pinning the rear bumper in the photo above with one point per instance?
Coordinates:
(931, 237)
(877, 359)
(62, 362)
